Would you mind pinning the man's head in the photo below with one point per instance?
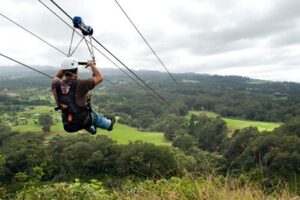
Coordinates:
(70, 67)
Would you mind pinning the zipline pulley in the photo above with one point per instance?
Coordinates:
(87, 32)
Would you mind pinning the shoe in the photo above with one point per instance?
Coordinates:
(92, 130)
(113, 121)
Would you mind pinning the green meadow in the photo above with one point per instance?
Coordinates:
(122, 133)
(234, 124)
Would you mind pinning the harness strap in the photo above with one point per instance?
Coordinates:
(58, 95)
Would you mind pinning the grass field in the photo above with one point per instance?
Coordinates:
(234, 124)
(257, 81)
(41, 110)
(239, 124)
(190, 81)
(122, 133)
(207, 113)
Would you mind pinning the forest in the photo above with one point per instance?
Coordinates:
(203, 150)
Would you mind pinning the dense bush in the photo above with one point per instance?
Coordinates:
(66, 191)
(63, 158)
(268, 157)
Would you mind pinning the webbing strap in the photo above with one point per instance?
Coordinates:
(58, 95)
(71, 91)
(76, 47)
(70, 47)
(89, 45)
(90, 48)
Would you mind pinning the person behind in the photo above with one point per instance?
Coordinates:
(72, 98)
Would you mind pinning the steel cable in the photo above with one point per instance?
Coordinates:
(149, 87)
(147, 43)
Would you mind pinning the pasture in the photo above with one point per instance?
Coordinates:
(234, 124)
(122, 133)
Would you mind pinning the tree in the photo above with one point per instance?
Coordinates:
(291, 128)
(46, 121)
(276, 155)
(184, 142)
(211, 133)
(239, 141)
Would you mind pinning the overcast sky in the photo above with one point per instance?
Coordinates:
(254, 38)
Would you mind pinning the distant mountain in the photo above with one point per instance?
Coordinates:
(16, 76)
(18, 71)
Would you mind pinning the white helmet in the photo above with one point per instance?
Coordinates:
(69, 63)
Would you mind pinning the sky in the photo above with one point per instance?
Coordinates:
(254, 38)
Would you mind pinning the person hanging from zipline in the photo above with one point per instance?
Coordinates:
(72, 98)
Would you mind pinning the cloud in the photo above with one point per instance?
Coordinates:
(246, 37)
(214, 31)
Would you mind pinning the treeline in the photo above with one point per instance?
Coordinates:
(229, 96)
(243, 98)
(25, 82)
(21, 101)
(202, 146)
(28, 156)
(268, 158)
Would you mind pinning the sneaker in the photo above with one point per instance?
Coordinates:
(92, 130)
(113, 121)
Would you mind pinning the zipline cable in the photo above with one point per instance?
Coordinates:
(132, 72)
(139, 32)
(92, 45)
(51, 45)
(149, 87)
(162, 99)
(35, 35)
(28, 31)
(38, 71)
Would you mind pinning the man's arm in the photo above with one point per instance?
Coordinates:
(97, 76)
(59, 75)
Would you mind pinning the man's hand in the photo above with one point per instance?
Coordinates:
(90, 63)
(97, 76)
(59, 75)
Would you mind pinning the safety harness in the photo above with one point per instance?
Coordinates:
(74, 117)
